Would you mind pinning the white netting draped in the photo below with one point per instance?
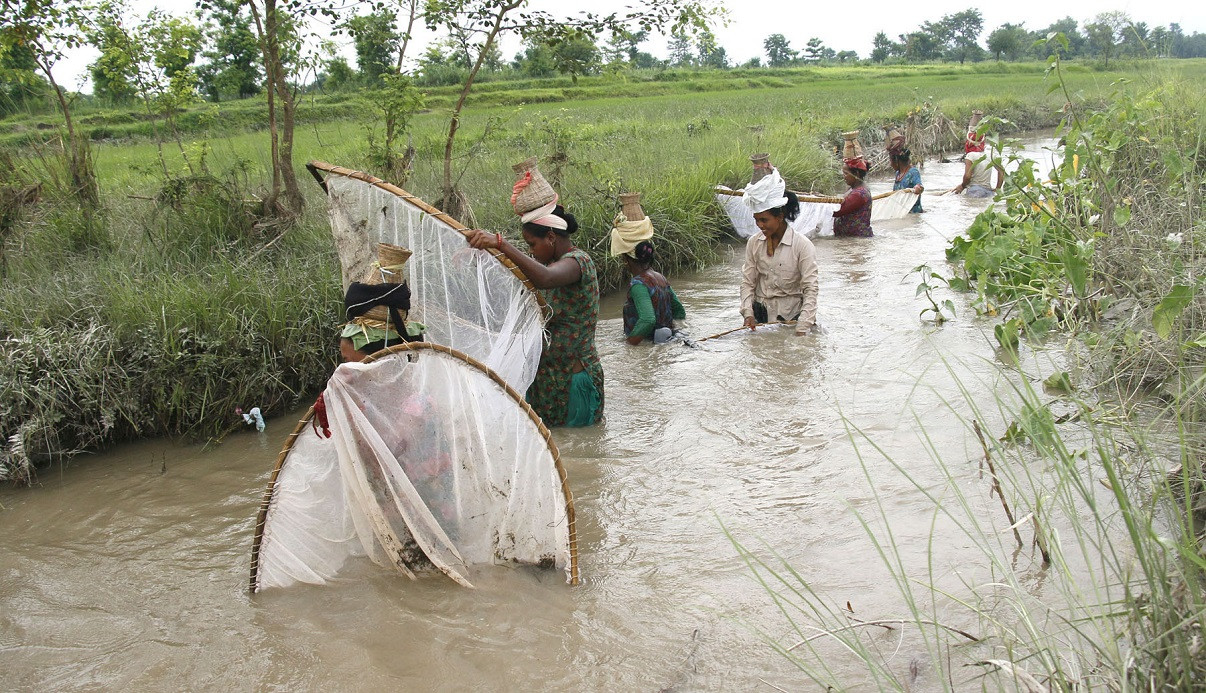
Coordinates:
(816, 218)
(430, 462)
(467, 299)
(895, 206)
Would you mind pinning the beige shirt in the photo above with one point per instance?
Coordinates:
(786, 283)
(981, 169)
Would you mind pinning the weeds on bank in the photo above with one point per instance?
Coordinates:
(1082, 567)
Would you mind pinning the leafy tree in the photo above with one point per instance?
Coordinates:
(536, 61)
(376, 40)
(681, 52)
(1136, 38)
(114, 72)
(1160, 42)
(20, 85)
(711, 54)
(232, 61)
(882, 47)
(963, 34)
(624, 45)
(1104, 33)
(921, 45)
(847, 56)
(338, 74)
(778, 51)
(814, 49)
(575, 55)
(1068, 27)
(45, 30)
(1008, 40)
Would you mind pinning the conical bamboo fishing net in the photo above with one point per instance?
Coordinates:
(434, 461)
(474, 301)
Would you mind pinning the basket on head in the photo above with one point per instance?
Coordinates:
(630, 206)
(976, 117)
(762, 167)
(536, 194)
(852, 148)
(391, 259)
(894, 141)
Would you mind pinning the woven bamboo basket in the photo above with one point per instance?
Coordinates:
(852, 148)
(630, 206)
(387, 270)
(976, 117)
(894, 140)
(762, 167)
(537, 194)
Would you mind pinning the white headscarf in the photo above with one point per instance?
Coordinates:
(766, 193)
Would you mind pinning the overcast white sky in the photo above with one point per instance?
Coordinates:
(840, 25)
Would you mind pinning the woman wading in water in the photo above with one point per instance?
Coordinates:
(568, 389)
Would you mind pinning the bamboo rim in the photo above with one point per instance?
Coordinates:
(315, 166)
(571, 517)
(806, 197)
(743, 327)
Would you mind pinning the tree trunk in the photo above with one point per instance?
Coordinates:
(280, 128)
(454, 123)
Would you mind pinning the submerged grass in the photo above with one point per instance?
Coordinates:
(1096, 584)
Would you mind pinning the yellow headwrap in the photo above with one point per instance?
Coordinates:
(625, 235)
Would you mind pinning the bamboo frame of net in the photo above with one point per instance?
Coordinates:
(571, 516)
(315, 166)
(806, 197)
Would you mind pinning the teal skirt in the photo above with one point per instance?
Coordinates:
(583, 400)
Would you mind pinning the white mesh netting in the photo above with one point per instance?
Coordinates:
(816, 218)
(466, 298)
(430, 462)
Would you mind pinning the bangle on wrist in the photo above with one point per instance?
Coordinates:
(498, 237)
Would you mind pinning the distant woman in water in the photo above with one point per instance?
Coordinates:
(907, 177)
(853, 218)
(652, 305)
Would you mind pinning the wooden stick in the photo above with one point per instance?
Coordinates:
(807, 197)
(996, 484)
(743, 327)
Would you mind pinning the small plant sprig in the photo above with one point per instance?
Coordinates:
(929, 282)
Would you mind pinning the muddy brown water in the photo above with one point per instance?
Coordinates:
(128, 570)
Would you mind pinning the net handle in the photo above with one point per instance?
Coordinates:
(315, 166)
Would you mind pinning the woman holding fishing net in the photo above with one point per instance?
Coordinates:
(568, 389)
(779, 275)
(652, 306)
(977, 164)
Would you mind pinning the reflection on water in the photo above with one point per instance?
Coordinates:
(129, 569)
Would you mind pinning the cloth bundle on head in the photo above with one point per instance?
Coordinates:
(625, 235)
(856, 163)
(767, 193)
